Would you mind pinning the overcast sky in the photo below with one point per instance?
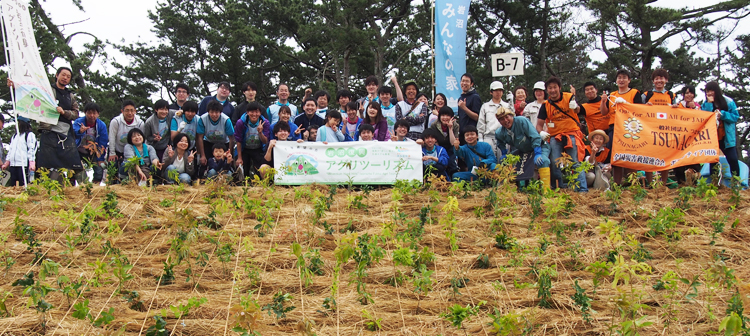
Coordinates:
(127, 21)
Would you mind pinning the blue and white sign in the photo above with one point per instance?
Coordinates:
(451, 18)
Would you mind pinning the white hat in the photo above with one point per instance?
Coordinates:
(496, 86)
(539, 85)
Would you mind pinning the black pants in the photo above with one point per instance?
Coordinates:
(252, 159)
(437, 169)
(732, 159)
(679, 172)
(16, 175)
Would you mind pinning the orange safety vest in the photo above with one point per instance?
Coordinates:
(601, 156)
(628, 96)
(563, 121)
(659, 98)
(594, 117)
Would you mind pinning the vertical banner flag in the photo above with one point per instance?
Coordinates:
(654, 138)
(451, 18)
(360, 162)
(34, 96)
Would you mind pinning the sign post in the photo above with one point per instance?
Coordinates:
(509, 64)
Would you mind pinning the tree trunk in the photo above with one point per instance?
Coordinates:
(543, 43)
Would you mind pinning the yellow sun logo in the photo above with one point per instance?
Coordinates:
(632, 128)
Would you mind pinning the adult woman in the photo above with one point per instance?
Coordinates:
(688, 98)
(146, 155)
(520, 102)
(374, 117)
(727, 116)
(179, 161)
(439, 101)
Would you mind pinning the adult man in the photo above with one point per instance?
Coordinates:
(322, 97)
(520, 134)
(594, 118)
(214, 127)
(181, 95)
(92, 140)
(343, 97)
(487, 123)
(156, 129)
(476, 155)
(371, 85)
(624, 94)
(560, 113)
(57, 149)
(250, 91)
(119, 128)
(305, 120)
(272, 112)
(659, 96)
(186, 123)
(469, 104)
(222, 96)
(412, 111)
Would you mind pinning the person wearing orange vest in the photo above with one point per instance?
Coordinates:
(659, 96)
(560, 114)
(623, 95)
(594, 118)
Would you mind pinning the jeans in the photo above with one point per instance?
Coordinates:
(213, 173)
(556, 150)
(182, 177)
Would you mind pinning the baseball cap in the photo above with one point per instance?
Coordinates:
(496, 85)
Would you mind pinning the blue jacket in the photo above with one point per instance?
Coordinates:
(348, 137)
(102, 139)
(729, 118)
(478, 155)
(521, 136)
(203, 106)
(440, 153)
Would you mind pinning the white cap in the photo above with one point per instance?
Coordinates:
(539, 85)
(496, 86)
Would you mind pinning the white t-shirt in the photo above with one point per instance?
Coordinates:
(179, 163)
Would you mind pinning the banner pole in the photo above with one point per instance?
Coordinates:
(432, 48)
(12, 89)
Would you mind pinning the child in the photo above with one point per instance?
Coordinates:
(281, 132)
(285, 115)
(330, 132)
(401, 129)
(366, 133)
(375, 118)
(352, 122)
(476, 154)
(221, 163)
(21, 153)
(434, 157)
(92, 140)
(252, 134)
(389, 110)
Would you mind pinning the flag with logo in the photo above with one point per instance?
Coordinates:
(655, 138)
(33, 93)
(451, 18)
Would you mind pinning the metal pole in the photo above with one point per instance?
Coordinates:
(12, 89)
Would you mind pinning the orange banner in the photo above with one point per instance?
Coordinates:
(654, 138)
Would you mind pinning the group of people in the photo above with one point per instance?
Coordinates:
(188, 140)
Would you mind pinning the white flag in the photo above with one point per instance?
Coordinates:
(34, 96)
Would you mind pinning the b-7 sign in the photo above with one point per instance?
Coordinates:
(510, 64)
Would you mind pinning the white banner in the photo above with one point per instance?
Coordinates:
(34, 96)
(362, 162)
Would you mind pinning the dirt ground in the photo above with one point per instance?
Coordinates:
(236, 244)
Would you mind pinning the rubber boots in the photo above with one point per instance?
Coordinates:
(544, 176)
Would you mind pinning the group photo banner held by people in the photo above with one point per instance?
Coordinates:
(33, 92)
(656, 138)
(368, 162)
